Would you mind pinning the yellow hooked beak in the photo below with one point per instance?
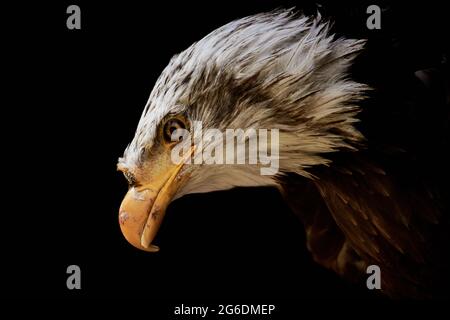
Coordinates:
(143, 208)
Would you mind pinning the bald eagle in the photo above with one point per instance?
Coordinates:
(282, 70)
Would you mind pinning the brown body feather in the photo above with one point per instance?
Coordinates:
(356, 214)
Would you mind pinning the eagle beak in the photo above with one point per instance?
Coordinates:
(143, 208)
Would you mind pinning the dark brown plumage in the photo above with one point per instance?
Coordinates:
(357, 214)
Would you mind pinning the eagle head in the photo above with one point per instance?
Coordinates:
(274, 71)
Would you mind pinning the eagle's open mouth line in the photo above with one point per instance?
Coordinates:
(143, 208)
(158, 209)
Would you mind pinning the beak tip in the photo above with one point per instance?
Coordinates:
(151, 248)
(148, 246)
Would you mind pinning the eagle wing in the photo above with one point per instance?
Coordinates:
(356, 214)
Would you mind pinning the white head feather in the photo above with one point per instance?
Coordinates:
(271, 70)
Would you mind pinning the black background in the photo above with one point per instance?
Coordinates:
(77, 96)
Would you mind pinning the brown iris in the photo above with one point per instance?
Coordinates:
(169, 128)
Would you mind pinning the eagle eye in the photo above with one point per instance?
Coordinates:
(170, 126)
